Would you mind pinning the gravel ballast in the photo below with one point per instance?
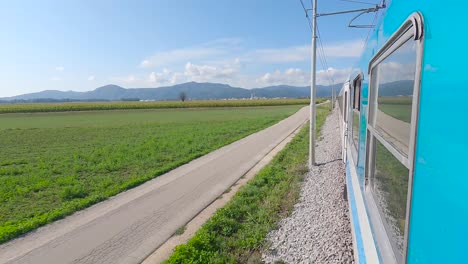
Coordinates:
(319, 230)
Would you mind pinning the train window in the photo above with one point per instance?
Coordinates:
(390, 188)
(395, 91)
(357, 93)
(345, 109)
(356, 88)
(393, 103)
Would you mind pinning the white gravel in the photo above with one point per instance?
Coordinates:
(318, 231)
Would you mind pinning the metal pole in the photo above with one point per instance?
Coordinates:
(313, 69)
(312, 86)
(332, 94)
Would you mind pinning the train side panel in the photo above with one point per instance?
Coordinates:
(437, 208)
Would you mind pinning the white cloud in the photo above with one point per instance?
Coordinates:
(91, 78)
(55, 78)
(222, 72)
(215, 52)
(349, 49)
(60, 68)
(393, 71)
(299, 77)
(324, 77)
(209, 50)
(173, 56)
(231, 74)
(177, 77)
(292, 76)
(229, 61)
(158, 78)
(206, 72)
(346, 49)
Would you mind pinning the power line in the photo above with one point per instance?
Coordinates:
(370, 30)
(306, 14)
(374, 20)
(321, 50)
(324, 58)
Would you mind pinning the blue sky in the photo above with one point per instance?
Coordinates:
(80, 45)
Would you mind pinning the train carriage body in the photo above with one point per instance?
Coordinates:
(404, 128)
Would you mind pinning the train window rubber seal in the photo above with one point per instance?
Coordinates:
(412, 28)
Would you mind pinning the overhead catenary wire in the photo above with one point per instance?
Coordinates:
(321, 50)
(322, 57)
(307, 15)
(370, 30)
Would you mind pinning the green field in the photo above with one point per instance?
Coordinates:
(53, 164)
(236, 233)
(391, 178)
(397, 107)
(91, 106)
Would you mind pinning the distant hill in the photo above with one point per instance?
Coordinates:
(194, 91)
(398, 88)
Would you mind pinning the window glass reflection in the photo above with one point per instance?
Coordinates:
(390, 191)
(395, 94)
(356, 128)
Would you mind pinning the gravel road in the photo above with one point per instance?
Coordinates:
(319, 230)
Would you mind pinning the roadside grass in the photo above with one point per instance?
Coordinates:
(88, 106)
(53, 164)
(180, 230)
(236, 233)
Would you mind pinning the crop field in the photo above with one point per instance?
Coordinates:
(53, 164)
(236, 233)
(397, 107)
(88, 106)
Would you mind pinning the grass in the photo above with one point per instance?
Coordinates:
(54, 164)
(88, 106)
(180, 230)
(397, 107)
(392, 179)
(236, 233)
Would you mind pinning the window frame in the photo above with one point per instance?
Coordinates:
(412, 28)
(345, 108)
(353, 88)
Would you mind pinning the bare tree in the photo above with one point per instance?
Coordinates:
(183, 96)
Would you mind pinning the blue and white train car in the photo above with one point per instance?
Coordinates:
(405, 135)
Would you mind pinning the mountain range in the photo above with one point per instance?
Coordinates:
(193, 91)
